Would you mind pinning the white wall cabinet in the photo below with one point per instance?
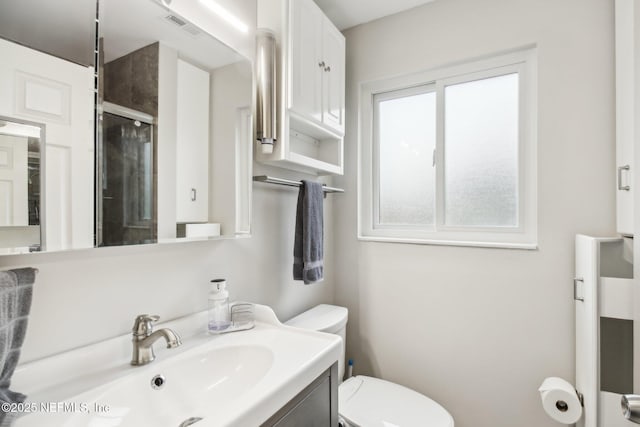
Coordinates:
(310, 85)
(627, 106)
(306, 65)
(333, 78)
(317, 66)
(192, 144)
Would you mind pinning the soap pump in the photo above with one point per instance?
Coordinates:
(219, 317)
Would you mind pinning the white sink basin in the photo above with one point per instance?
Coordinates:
(237, 379)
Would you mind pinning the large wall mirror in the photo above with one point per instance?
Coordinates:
(147, 141)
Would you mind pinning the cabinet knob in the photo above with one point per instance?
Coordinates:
(321, 64)
(193, 194)
(327, 69)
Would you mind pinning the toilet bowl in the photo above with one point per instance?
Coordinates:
(371, 402)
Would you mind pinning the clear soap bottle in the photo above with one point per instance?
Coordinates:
(219, 316)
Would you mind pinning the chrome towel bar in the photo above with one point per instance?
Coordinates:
(290, 183)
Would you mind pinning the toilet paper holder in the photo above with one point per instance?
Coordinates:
(630, 404)
(559, 403)
(561, 400)
(562, 406)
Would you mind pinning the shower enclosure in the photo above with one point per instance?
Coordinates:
(126, 205)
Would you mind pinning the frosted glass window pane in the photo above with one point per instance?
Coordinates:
(481, 152)
(407, 137)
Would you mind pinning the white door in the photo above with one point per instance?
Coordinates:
(14, 188)
(58, 94)
(306, 60)
(192, 144)
(333, 77)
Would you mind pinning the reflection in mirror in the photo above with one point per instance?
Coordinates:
(20, 184)
(47, 52)
(58, 95)
(175, 106)
(62, 28)
(128, 177)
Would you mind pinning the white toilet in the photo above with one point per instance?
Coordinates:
(366, 401)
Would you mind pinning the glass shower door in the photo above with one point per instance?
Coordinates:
(128, 181)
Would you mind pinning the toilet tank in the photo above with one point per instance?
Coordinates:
(325, 318)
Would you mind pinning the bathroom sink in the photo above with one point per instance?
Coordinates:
(236, 379)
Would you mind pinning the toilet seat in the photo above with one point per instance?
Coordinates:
(372, 402)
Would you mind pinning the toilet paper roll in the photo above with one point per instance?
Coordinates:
(560, 400)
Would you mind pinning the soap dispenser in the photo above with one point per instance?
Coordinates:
(219, 317)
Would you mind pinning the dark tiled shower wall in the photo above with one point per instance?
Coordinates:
(132, 80)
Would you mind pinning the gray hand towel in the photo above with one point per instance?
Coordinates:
(308, 251)
(15, 303)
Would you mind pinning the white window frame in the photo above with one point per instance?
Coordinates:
(524, 235)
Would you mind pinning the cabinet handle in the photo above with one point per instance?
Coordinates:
(321, 64)
(620, 186)
(577, 280)
(193, 194)
(327, 69)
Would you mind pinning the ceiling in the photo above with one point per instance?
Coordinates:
(64, 28)
(128, 25)
(349, 13)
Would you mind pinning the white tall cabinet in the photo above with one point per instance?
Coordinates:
(627, 108)
(310, 85)
(627, 45)
(192, 144)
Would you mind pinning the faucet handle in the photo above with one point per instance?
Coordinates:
(142, 326)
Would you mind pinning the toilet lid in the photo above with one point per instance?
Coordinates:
(371, 402)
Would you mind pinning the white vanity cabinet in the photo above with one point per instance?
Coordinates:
(627, 43)
(310, 87)
(192, 144)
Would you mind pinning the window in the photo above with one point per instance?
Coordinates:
(448, 156)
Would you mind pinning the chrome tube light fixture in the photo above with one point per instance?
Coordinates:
(266, 108)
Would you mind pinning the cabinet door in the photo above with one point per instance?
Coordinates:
(192, 144)
(333, 78)
(625, 30)
(306, 62)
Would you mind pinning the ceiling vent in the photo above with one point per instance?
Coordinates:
(186, 26)
(174, 19)
(191, 29)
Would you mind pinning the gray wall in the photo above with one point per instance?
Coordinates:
(479, 329)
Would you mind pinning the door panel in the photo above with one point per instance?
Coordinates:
(334, 78)
(306, 61)
(14, 191)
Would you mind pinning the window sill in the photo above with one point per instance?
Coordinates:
(470, 244)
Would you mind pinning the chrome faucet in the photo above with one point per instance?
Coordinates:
(144, 337)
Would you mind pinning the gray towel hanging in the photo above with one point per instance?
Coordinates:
(308, 250)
